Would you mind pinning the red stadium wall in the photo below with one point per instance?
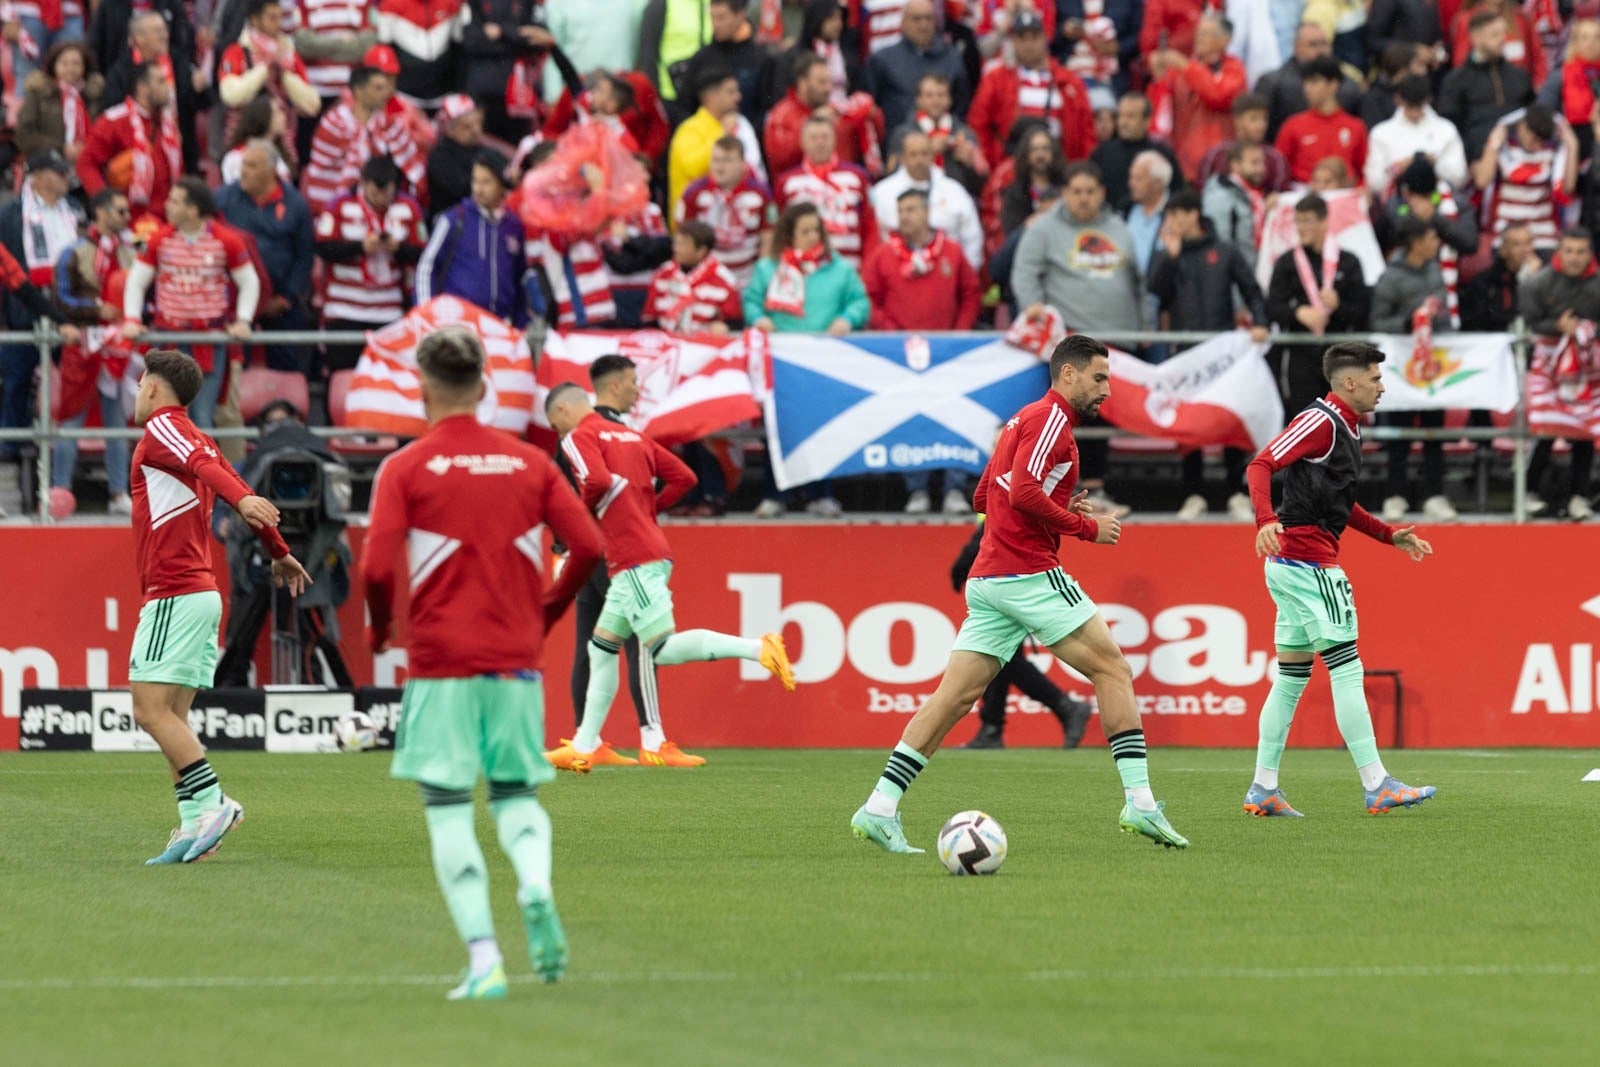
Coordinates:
(1495, 636)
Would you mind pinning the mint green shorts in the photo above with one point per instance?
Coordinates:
(176, 640)
(1001, 612)
(639, 601)
(1316, 606)
(453, 729)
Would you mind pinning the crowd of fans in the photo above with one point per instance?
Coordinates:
(247, 165)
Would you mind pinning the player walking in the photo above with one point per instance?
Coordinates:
(177, 473)
(617, 469)
(470, 504)
(1017, 587)
(1321, 450)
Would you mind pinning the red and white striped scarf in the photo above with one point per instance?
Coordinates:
(677, 315)
(786, 293)
(143, 184)
(917, 262)
(74, 112)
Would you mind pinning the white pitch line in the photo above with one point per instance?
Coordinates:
(1174, 974)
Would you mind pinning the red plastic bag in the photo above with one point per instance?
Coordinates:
(590, 180)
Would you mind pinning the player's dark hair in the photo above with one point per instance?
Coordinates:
(1413, 90)
(198, 193)
(1083, 168)
(1482, 19)
(1324, 67)
(1349, 355)
(1237, 150)
(912, 194)
(712, 79)
(178, 370)
(703, 236)
(452, 357)
(105, 198)
(381, 171)
(494, 163)
(256, 7)
(1408, 230)
(1079, 350)
(558, 392)
(1183, 200)
(606, 367)
(1312, 204)
(1541, 121)
(802, 66)
(1245, 103)
(1572, 233)
(360, 75)
(783, 233)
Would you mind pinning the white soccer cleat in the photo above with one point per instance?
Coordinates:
(1439, 509)
(1193, 508)
(1240, 509)
(955, 503)
(1395, 508)
(918, 503)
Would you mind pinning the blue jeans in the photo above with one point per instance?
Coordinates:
(64, 456)
(203, 408)
(954, 481)
(71, 30)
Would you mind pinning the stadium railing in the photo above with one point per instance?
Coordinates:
(45, 432)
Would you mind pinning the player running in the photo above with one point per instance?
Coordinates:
(470, 505)
(617, 469)
(177, 473)
(1017, 587)
(1321, 450)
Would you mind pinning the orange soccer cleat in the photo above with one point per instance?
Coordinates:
(567, 758)
(669, 755)
(775, 658)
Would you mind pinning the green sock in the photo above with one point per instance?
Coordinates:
(602, 691)
(1133, 767)
(200, 782)
(1350, 702)
(525, 838)
(1276, 716)
(458, 862)
(905, 763)
(691, 646)
(188, 810)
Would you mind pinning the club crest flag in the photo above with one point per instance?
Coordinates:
(1349, 227)
(688, 386)
(892, 403)
(386, 393)
(1216, 393)
(1454, 372)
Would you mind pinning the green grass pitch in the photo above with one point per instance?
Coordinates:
(726, 916)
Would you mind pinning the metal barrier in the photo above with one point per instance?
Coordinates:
(45, 433)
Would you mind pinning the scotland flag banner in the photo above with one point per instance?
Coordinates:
(892, 403)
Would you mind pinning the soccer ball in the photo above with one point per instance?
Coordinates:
(972, 843)
(354, 732)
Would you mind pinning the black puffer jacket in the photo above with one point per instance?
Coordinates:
(1196, 289)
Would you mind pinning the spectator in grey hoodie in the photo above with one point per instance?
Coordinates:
(1078, 258)
(1412, 280)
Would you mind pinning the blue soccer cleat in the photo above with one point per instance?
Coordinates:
(1151, 824)
(177, 848)
(882, 830)
(214, 826)
(485, 985)
(1262, 801)
(1393, 793)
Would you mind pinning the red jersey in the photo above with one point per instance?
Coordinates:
(1308, 138)
(368, 286)
(470, 504)
(739, 216)
(685, 302)
(1310, 436)
(193, 276)
(841, 193)
(341, 146)
(1025, 490)
(616, 469)
(177, 475)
